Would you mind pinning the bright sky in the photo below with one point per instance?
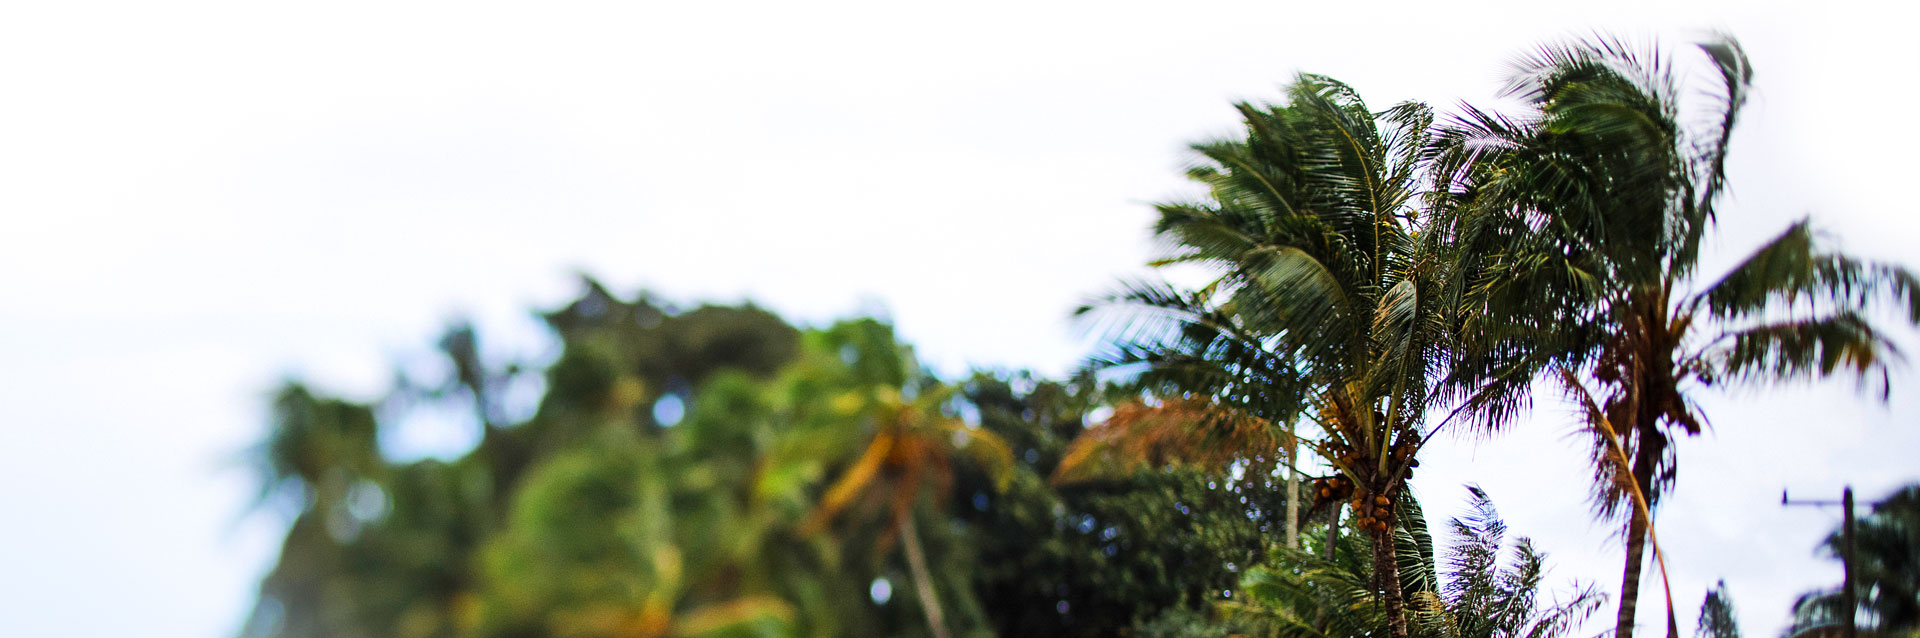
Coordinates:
(198, 199)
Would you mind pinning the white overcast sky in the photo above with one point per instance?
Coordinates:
(197, 200)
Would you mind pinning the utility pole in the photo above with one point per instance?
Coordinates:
(1847, 599)
(1846, 545)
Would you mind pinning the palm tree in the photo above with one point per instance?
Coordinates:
(1474, 594)
(1324, 304)
(1578, 228)
(1716, 614)
(910, 453)
(324, 455)
(1482, 599)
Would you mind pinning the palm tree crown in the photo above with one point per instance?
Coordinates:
(1578, 229)
(1324, 302)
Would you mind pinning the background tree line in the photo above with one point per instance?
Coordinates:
(605, 514)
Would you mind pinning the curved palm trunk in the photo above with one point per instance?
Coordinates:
(922, 579)
(1386, 574)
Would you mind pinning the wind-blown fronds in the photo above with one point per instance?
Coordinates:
(1804, 349)
(1487, 599)
(1791, 269)
(1346, 597)
(1326, 304)
(1578, 226)
(1298, 595)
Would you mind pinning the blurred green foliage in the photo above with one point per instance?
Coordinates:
(1092, 558)
(673, 481)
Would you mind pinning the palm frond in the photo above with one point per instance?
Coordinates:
(1478, 536)
(1413, 548)
(1736, 76)
(1299, 595)
(1295, 293)
(1790, 268)
(1789, 350)
(1189, 432)
(1143, 312)
(1565, 615)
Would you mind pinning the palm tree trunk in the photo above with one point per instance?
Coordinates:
(1643, 461)
(1386, 573)
(1333, 536)
(1293, 489)
(1630, 579)
(1333, 531)
(922, 579)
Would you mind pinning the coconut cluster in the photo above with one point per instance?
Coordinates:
(1372, 496)
(1331, 489)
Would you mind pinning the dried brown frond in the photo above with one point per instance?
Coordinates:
(1184, 432)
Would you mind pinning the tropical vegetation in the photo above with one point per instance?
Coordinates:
(1470, 593)
(1323, 306)
(1236, 459)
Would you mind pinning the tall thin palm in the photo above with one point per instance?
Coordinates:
(1578, 228)
(1324, 304)
(910, 454)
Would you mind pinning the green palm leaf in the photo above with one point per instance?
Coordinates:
(1803, 349)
